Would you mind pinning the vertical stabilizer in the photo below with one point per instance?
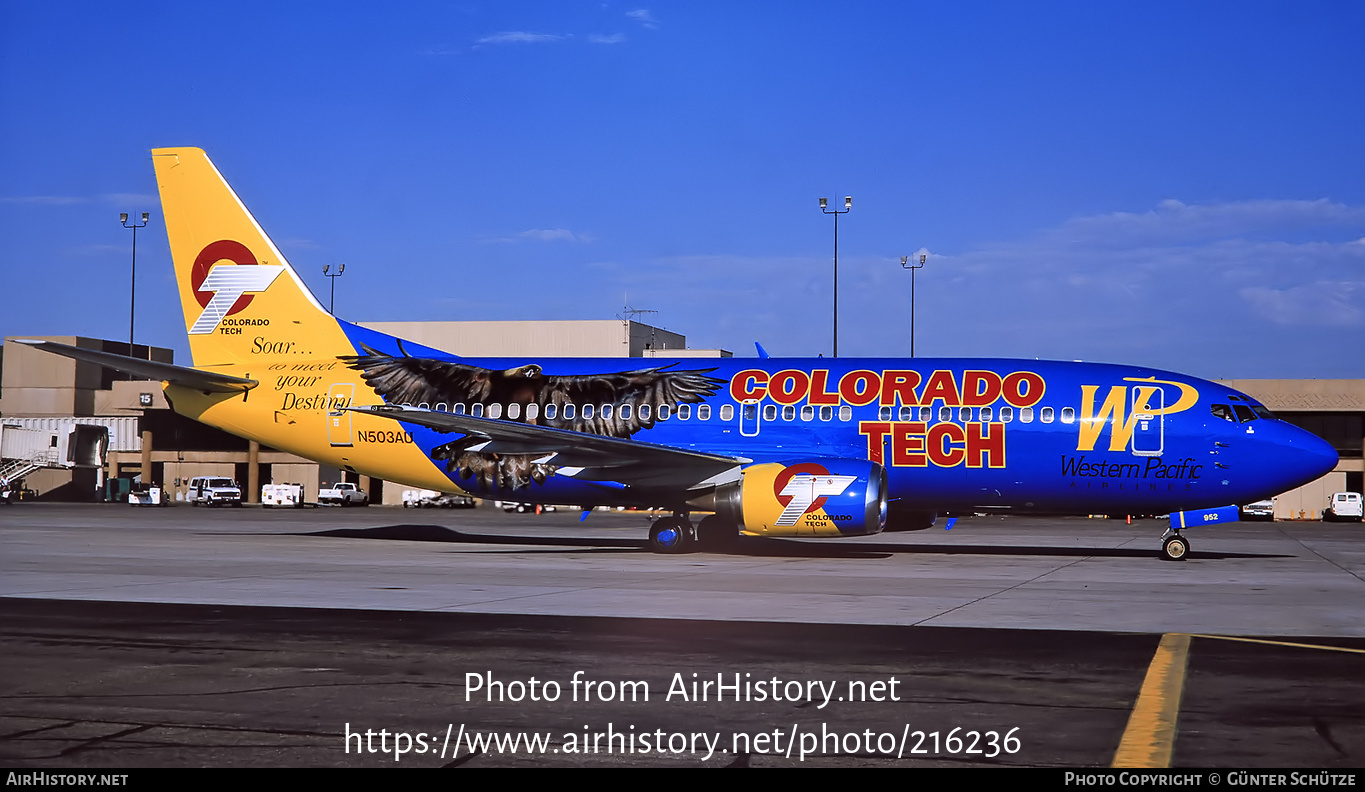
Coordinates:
(242, 300)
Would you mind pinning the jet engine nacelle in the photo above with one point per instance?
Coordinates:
(825, 497)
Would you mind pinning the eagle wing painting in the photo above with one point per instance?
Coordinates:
(616, 401)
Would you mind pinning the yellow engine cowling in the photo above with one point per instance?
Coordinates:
(824, 497)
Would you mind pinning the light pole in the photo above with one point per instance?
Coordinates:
(912, 266)
(824, 207)
(332, 276)
(132, 290)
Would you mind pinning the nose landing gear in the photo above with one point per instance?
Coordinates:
(1174, 546)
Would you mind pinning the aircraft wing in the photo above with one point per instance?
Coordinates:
(583, 456)
(196, 379)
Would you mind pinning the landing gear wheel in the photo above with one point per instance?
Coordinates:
(669, 535)
(716, 534)
(1175, 548)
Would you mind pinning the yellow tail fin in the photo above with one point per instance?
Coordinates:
(242, 300)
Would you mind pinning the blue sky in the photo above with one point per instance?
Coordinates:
(1179, 185)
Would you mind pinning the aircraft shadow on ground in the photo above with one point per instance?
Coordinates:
(749, 546)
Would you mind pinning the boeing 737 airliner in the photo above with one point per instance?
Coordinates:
(767, 447)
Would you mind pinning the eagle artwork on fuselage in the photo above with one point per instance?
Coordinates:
(618, 405)
(766, 447)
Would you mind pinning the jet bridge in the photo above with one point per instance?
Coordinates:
(61, 444)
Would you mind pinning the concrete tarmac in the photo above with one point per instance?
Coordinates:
(243, 637)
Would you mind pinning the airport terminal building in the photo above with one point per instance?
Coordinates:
(148, 441)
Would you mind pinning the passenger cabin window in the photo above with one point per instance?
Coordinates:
(1046, 415)
(770, 412)
(644, 412)
(441, 407)
(926, 414)
(1025, 415)
(459, 409)
(588, 410)
(570, 410)
(1006, 414)
(726, 412)
(964, 414)
(513, 412)
(476, 411)
(551, 410)
(907, 413)
(1068, 415)
(845, 413)
(663, 412)
(624, 412)
(986, 414)
(808, 412)
(703, 412)
(826, 413)
(495, 410)
(884, 414)
(789, 413)
(945, 413)
(532, 412)
(607, 410)
(684, 412)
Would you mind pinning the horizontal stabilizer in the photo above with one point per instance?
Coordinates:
(187, 377)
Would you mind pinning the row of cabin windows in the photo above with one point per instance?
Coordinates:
(571, 411)
(808, 412)
(983, 414)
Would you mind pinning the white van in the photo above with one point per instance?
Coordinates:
(214, 491)
(1343, 506)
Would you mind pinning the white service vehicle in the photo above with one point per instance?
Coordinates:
(1260, 510)
(1343, 506)
(214, 491)
(151, 496)
(343, 494)
(282, 495)
(415, 498)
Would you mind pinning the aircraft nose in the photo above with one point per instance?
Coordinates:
(1307, 455)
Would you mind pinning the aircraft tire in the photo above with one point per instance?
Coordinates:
(668, 536)
(716, 534)
(1175, 548)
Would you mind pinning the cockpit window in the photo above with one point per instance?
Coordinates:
(1238, 413)
(1260, 410)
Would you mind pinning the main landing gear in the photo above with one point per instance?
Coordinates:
(670, 534)
(1174, 546)
(676, 534)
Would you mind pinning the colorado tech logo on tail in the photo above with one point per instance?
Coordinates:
(226, 289)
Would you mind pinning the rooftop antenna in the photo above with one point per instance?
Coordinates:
(629, 315)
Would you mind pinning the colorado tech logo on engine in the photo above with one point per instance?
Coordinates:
(803, 489)
(226, 289)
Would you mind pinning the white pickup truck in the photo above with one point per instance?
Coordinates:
(343, 494)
